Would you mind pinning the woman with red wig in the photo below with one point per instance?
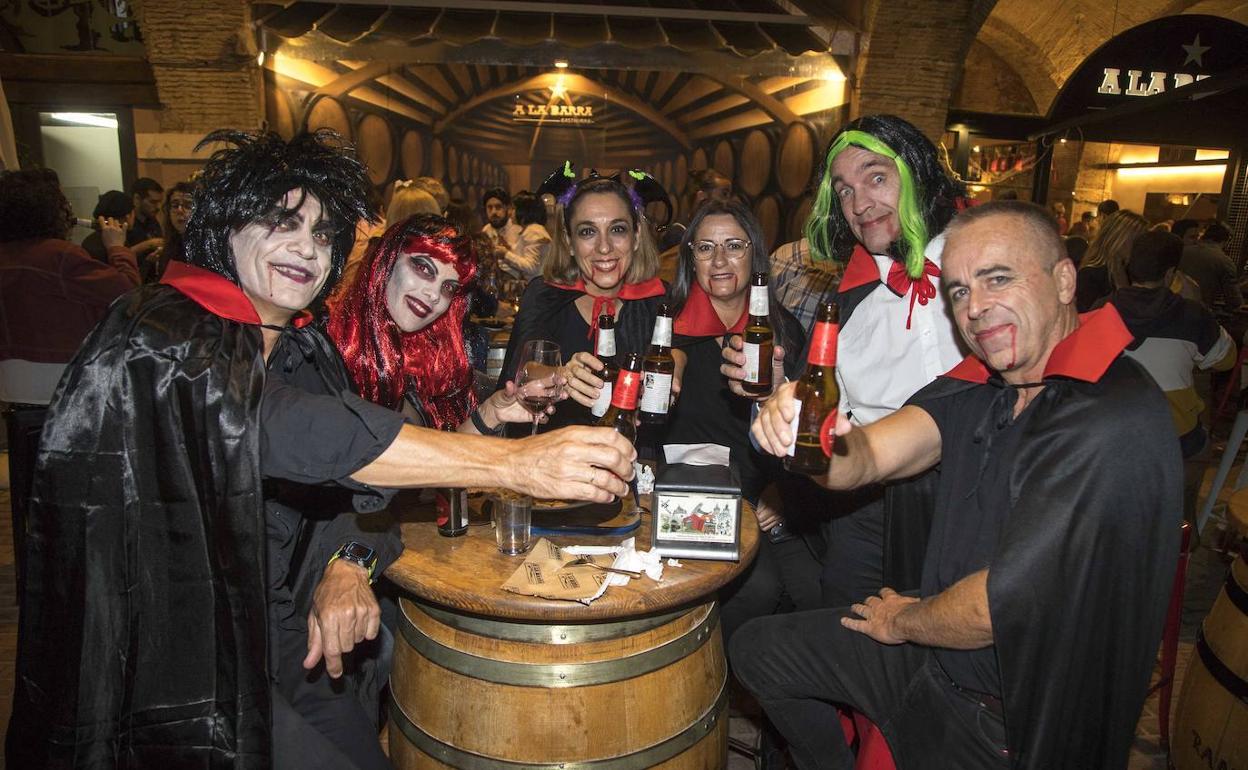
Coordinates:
(400, 329)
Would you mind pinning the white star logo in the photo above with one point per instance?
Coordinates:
(1195, 52)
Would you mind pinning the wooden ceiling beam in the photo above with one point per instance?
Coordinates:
(728, 125)
(769, 104)
(432, 77)
(586, 9)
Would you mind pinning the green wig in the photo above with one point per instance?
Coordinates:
(913, 225)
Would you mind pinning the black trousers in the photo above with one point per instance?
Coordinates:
(783, 576)
(802, 665)
(24, 424)
(320, 723)
(853, 564)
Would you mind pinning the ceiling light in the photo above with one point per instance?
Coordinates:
(561, 64)
(86, 119)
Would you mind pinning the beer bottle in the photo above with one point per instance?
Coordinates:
(623, 410)
(817, 398)
(656, 391)
(452, 507)
(605, 352)
(759, 340)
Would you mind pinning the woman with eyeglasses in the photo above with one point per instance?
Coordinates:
(176, 212)
(710, 296)
(602, 260)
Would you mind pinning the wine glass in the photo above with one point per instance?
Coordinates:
(537, 366)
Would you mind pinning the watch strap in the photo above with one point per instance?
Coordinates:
(349, 552)
(479, 422)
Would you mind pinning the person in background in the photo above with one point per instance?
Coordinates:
(1104, 264)
(1105, 208)
(176, 213)
(1172, 335)
(407, 201)
(52, 293)
(400, 330)
(503, 233)
(1085, 228)
(1076, 247)
(526, 256)
(1206, 262)
(114, 207)
(464, 216)
(1059, 214)
(1187, 229)
(146, 235)
(800, 283)
(708, 185)
(435, 188)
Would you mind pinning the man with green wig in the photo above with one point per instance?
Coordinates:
(879, 208)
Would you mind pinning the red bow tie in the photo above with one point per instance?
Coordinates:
(921, 288)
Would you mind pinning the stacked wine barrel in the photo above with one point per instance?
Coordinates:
(773, 169)
(390, 148)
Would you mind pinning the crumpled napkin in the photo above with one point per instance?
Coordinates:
(626, 557)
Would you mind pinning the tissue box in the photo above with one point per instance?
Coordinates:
(697, 512)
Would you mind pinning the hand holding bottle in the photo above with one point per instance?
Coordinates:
(733, 368)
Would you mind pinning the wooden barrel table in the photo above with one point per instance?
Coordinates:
(487, 679)
(1211, 722)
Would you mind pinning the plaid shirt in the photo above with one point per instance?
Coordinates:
(800, 284)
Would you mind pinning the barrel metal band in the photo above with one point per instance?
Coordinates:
(561, 675)
(538, 633)
(1236, 593)
(644, 758)
(1232, 682)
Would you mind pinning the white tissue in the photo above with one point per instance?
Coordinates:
(696, 454)
(626, 557)
(645, 478)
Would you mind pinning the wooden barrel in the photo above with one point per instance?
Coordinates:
(538, 695)
(798, 215)
(452, 165)
(412, 155)
(375, 145)
(796, 160)
(476, 170)
(698, 161)
(327, 112)
(755, 168)
(457, 191)
(725, 161)
(767, 209)
(437, 160)
(278, 113)
(474, 194)
(1211, 721)
(680, 175)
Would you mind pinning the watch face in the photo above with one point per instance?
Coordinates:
(357, 552)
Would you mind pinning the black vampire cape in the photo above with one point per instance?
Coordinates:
(146, 621)
(1080, 580)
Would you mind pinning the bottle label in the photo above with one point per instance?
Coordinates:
(626, 387)
(751, 362)
(657, 393)
(797, 414)
(823, 345)
(827, 433)
(662, 331)
(758, 300)
(603, 403)
(606, 343)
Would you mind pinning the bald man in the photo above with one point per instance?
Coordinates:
(1052, 550)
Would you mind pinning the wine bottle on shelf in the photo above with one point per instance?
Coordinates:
(759, 340)
(817, 398)
(659, 366)
(621, 415)
(604, 351)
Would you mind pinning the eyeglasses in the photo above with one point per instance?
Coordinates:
(180, 205)
(734, 249)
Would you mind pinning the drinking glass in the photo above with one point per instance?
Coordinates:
(537, 366)
(513, 520)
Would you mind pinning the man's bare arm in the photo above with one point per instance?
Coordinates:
(905, 443)
(578, 463)
(956, 618)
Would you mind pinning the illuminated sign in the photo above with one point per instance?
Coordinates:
(1136, 85)
(582, 114)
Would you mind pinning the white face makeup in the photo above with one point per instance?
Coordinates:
(283, 264)
(603, 240)
(419, 290)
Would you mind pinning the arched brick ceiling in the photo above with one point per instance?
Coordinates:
(1045, 48)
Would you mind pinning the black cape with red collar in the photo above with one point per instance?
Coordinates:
(1079, 583)
(144, 624)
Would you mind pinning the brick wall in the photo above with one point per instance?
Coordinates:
(912, 58)
(203, 58)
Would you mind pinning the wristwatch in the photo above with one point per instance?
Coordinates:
(357, 553)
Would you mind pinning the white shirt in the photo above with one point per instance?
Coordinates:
(879, 362)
